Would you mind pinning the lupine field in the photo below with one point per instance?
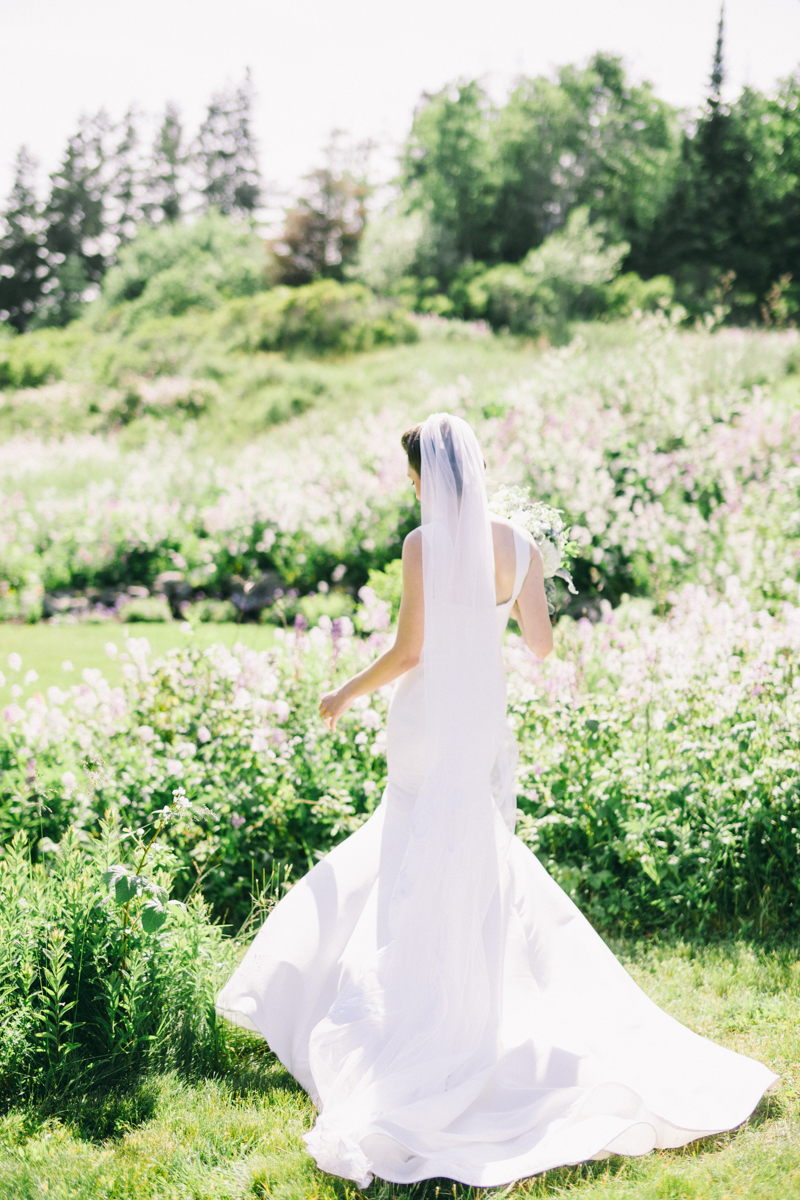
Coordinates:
(659, 770)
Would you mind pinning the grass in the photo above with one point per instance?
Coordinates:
(272, 393)
(237, 1136)
(44, 648)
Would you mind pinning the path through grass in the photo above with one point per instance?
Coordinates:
(240, 1135)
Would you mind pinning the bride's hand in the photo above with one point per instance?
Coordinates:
(332, 706)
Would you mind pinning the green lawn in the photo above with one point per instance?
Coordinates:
(239, 1135)
(44, 648)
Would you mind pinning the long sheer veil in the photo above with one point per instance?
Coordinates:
(409, 1040)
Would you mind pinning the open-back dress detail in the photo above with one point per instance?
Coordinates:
(566, 1059)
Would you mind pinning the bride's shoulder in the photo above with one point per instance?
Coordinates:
(412, 544)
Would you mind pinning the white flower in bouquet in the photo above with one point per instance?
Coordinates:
(546, 527)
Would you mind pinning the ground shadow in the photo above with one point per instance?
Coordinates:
(100, 1114)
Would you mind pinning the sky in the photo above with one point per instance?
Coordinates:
(356, 65)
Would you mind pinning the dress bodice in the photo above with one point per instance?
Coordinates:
(522, 548)
(406, 719)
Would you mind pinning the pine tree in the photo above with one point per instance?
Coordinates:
(166, 184)
(127, 188)
(226, 153)
(718, 67)
(80, 246)
(22, 250)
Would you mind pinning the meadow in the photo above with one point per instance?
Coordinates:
(658, 773)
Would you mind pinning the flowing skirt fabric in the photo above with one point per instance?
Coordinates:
(580, 1063)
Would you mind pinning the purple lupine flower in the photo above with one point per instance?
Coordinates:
(300, 623)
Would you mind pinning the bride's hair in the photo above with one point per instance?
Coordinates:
(410, 441)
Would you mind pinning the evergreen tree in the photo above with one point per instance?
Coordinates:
(79, 244)
(22, 250)
(226, 154)
(126, 193)
(720, 220)
(166, 184)
(718, 66)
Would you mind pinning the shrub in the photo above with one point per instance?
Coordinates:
(150, 608)
(100, 975)
(563, 279)
(240, 731)
(326, 317)
(659, 782)
(333, 606)
(658, 772)
(664, 447)
(32, 359)
(387, 585)
(169, 269)
(216, 612)
(628, 293)
(23, 603)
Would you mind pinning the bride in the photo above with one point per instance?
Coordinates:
(445, 1005)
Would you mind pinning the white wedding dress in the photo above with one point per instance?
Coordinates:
(549, 1055)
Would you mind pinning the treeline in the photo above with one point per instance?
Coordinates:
(579, 194)
(713, 202)
(55, 252)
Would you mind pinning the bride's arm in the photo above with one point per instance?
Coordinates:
(531, 611)
(400, 657)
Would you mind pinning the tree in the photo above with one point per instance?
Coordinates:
(226, 153)
(498, 181)
(79, 244)
(724, 215)
(322, 231)
(22, 265)
(166, 184)
(127, 189)
(447, 169)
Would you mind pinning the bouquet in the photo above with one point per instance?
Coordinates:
(547, 528)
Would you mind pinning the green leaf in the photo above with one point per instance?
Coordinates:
(154, 914)
(649, 868)
(123, 881)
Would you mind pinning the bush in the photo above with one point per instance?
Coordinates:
(32, 359)
(23, 603)
(658, 772)
(215, 612)
(150, 608)
(628, 293)
(240, 731)
(563, 279)
(167, 270)
(659, 782)
(100, 975)
(326, 317)
(332, 605)
(387, 585)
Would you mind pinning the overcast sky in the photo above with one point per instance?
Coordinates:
(356, 65)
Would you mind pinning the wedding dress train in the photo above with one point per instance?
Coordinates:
(546, 1053)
